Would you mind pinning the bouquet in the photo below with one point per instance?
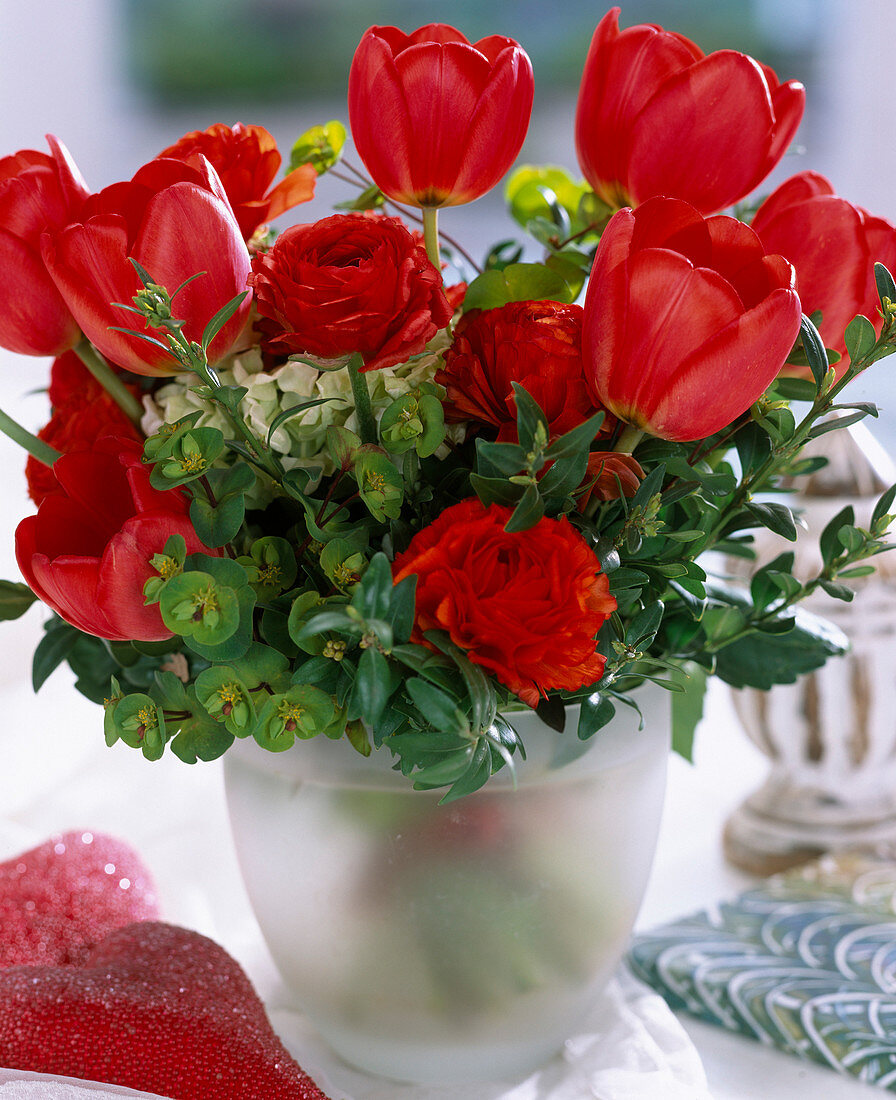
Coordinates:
(346, 481)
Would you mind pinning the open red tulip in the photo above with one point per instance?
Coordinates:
(176, 221)
(833, 246)
(687, 320)
(657, 117)
(87, 553)
(38, 192)
(436, 119)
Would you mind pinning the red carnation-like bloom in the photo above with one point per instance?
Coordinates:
(538, 345)
(527, 606)
(349, 283)
(82, 412)
(658, 117)
(87, 553)
(246, 159)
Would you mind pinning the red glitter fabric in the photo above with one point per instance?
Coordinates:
(59, 900)
(153, 1007)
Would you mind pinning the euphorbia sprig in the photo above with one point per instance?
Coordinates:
(154, 304)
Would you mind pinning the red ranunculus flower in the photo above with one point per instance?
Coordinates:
(82, 412)
(833, 246)
(657, 117)
(348, 283)
(37, 192)
(538, 345)
(246, 159)
(87, 552)
(527, 606)
(687, 320)
(438, 120)
(175, 220)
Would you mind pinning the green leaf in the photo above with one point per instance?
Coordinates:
(527, 513)
(761, 660)
(882, 508)
(886, 288)
(860, 337)
(515, 283)
(825, 426)
(816, 355)
(838, 591)
(200, 738)
(687, 709)
(475, 776)
(372, 687)
(373, 595)
(52, 650)
(295, 410)
(221, 318)
(576, 439)
(438, 708)
(753, 446)
(596, 711)
(15, 599)
(829, 542)
(320, 146)
(776, 517)
(401, 608)
(795, 389)
(479, 686)
(531, 422)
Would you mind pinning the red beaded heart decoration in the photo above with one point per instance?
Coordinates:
(60, 899)
(153, 1007)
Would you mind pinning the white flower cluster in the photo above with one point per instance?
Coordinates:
(300, 440)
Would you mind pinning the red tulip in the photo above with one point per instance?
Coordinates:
(176, 221)
(87, 552)
(246, 159)
(833, 246)
(657, 117)
(37, 192)
(687, 320)
(436, 119)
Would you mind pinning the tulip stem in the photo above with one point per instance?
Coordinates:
(431, 235)
(110, 381)
(630, 438)
(363, 407)
(43, 452)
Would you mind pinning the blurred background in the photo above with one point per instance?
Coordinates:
(118, 80)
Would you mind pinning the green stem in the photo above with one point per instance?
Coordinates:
(431, 235)
(364, 409)
(43, 452)
(110, 381)
(630, 438)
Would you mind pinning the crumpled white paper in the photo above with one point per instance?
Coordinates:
(18, 1085)
(631, 1047)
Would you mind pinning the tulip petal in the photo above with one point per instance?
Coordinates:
(89, 265)
(69, 585)
(672, 306)
(788, 104)
(497, 127)
(34, 319)
(187, 230)
(729, 372)
(705, 134)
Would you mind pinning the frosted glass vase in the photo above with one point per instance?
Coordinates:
(446, 944)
